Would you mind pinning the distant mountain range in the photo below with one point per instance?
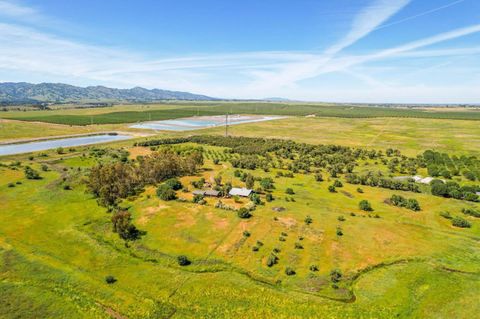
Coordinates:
(17, 93)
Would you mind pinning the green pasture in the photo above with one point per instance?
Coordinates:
(57, 245)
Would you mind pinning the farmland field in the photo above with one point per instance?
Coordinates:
(57, 245)
(138, 113)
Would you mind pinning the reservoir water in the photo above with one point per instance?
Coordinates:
(195, 123)
(11, 149)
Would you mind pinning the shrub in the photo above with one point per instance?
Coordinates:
(281, 238)
(246, 233)
(438, 188)
(341, 218)
(400, 201)
(313, 268)
(471, 212)
(174, 184)
(332, 189)
(269, 197)
(276, 250)
(308, 220)
(30, 173)
(413, 204)
(460, 222)
(259, 243)
(359, 190)
(67, 187)
(289, 271)
(183, 260)
(244, 213)
(272, 260)
(216, 161)
(198, 198)
(335, 275)
(165, 192)
(298, 246)
(255, 248)
(339, 231)
(365, 205)
(267, 183)
(255, 198)
(319, 177)
(337, 183)
(446, 215)
(110, 279)
(352, 214)
(289, 191)
(45, 168)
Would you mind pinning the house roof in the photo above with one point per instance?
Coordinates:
(212, 192)
(240, 192)
(209, 192)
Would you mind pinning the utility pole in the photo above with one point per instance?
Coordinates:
(226, 125)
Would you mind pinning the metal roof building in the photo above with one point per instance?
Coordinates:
(210, 192)
(244, 192)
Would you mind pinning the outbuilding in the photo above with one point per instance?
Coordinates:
(243, 192)
(210, 193)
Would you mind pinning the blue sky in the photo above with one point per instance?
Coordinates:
(407, 51)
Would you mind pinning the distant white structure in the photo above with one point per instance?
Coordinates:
(426, 180)
(417, 179)
(478, 193)
(243, 192)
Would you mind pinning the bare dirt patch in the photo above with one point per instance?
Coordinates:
(287, 221)
(149, 213)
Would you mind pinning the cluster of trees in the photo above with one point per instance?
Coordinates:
(471, 212)
(456, 221)
(378, 180)
(249, 162)
(454, 190)
(296, 157)
(113, 181)
(400, 201)
(441, 164)
(404, 165)
(30, 173)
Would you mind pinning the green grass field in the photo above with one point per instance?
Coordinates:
(57, 246)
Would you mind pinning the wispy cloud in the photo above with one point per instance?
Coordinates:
(422, 14)
(367, 20)
(27, 49)
(364, 23)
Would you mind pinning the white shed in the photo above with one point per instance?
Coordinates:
(243, 192)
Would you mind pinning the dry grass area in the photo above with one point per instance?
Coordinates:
(409, 135)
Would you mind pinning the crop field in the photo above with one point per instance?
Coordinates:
(308, 249)
(137, 113)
